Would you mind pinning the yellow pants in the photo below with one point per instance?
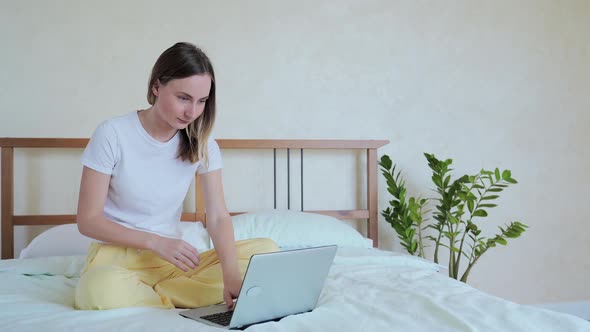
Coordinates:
(117, 277)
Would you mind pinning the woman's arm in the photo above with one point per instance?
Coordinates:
(92, 223)
(220, 228)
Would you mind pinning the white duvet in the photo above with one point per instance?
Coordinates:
(366, 290)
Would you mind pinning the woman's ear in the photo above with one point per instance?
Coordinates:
(155, 87)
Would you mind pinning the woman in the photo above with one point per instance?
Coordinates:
(137, 170)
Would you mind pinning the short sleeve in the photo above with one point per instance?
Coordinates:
(215, 161)
(102, 150)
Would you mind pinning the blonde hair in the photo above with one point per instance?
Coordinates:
(180, 61)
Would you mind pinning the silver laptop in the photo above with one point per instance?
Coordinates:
(276, 285)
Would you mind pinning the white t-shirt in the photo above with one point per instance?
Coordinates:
(148, 183)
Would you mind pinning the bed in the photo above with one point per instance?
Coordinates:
(367, 289)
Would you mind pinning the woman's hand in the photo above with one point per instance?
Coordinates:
(231, 290)
(175, 251)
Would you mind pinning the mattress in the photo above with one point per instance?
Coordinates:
(366, 290)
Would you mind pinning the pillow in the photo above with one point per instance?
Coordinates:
(294, 229)
(62, 240)
(196, 235)
(66, 240)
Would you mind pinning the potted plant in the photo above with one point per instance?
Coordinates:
(459, 205)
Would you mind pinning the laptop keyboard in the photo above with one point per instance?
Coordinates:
(222, 318)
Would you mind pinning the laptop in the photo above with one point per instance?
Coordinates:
(276, 285)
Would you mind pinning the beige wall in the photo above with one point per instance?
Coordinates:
(487, 83)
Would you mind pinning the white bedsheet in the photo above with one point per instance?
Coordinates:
(366, 290)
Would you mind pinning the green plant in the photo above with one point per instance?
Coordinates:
(459, 205)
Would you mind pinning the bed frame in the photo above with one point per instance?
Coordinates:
(9, 219)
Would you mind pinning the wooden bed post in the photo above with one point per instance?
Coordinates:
(7, 203)
(372, 202)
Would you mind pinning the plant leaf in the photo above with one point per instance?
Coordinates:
(480, 213)
(386, 161)
(488, 205)
(470, 205)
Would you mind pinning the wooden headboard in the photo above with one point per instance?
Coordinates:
(9, 220)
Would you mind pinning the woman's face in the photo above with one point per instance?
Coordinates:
(180, 101)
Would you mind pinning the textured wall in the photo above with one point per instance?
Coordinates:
(488, 84)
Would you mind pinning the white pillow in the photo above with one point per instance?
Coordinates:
(66, 240)
(62, 240)
(294, 229)
(195, 234)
